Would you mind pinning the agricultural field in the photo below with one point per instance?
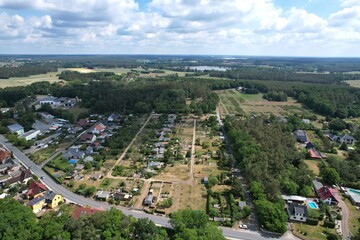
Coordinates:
(23, 81)
(354, 83)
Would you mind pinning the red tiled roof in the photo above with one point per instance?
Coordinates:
(4, 154)
(80, 211)
(35, 188)
(314, 154)
(100, 127)
(326, 192)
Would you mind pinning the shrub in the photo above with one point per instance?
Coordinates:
(312, 221)
(329, 224)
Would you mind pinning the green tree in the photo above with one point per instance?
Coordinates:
(17, 222)
(194, 224)
(145, 229)
(330, 175)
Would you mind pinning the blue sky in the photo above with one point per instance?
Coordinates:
(225, 27)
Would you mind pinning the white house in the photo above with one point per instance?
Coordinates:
(297, 212)
(30, 135)
(49, 100)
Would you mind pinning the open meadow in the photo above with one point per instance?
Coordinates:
(24, 81)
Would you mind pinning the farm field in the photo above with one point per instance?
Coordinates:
(23, 81)
(354, 83)
(234, 102)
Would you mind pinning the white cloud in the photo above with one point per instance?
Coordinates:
(193, 26)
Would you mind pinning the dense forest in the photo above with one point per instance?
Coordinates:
(276, 74)
(265, 151)
(26, 70)
(18, 222)
(86, 77)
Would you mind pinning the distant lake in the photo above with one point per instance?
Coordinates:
(204, 68)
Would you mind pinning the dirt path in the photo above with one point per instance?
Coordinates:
(345, 219)
(144, 192)
(224, 107)
(129, 146)
(191, 173)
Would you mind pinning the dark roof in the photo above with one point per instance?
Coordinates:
(49, 195)
(15, 127)
(295, 208)
(35, 188)
(24, 175)
(347, 137)
(148, 199)
(300, 136)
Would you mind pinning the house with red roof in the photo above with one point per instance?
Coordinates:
(87, 138)
(4, 155)
(81, 211)
(328, 195)
(98, 128)
(35, 189)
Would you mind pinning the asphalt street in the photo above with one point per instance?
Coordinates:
(77, 199)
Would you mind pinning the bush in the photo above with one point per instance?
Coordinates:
(312, 221)
(329, 224)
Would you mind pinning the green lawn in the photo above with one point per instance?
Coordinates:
(309, 232)
(43, 154)
(354, 223)
(60, 163)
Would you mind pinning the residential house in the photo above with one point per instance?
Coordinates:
(52, 199)
(314, 153)
(347, 139)
(294, 198)
(48, 198)
(74, 153)
(87, 138)
(46, 115)
(98, 128)
(16, 129)
(82, 211)
(32, 134)
(34, 189)
(88, 159)
(23, 176)
(156, 164)
(52, 101)
(148, 200)
(297, 212)
(333, 138)
(114, 118)
(96, 176)
(102, 195)
(4, 155)
(354, 196)
(326, 194)
(82, 123)
(301, 136)
(89, 150)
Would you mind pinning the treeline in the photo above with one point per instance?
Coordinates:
(86, 77)
(143, 97)
(276, 74)
(18, 222)
(275, 96)
(333, 100)
(265, 151)
(26, 70)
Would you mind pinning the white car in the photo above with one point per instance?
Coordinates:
(243, 226)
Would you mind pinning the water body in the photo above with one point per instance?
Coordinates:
(209, 68)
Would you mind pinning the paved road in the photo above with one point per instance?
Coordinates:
(74, 198)
(345, 219)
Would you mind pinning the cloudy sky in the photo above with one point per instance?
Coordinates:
(224, 27)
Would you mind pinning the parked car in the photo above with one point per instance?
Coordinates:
(243, 226)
